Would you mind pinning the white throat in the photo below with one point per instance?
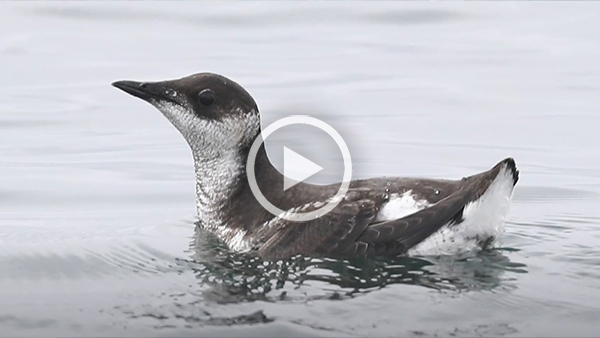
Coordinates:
(215, 179)
(218, 163)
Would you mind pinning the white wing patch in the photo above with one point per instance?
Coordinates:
(483, 219)
(400, 206)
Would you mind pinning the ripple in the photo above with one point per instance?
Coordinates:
(577, 219)
(233, 288)
(224, 16)
(87, 263)
(415, 16)
(25, 323)
(498, 330)
(236, 277)
(191, 315)
(546, 194)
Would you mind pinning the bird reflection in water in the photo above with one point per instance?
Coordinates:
(228, 276)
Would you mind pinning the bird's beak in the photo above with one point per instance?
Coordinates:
(148, 91)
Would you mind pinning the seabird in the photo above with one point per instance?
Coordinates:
(386, 216)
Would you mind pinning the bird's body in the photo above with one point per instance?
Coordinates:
(376, 217)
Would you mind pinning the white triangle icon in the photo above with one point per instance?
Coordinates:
(296, 168)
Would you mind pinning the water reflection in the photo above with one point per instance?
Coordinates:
(236, 277)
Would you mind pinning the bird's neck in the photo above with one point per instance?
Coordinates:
(217, 178)
(223, 195)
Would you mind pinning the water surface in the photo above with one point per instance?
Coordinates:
(97, 232)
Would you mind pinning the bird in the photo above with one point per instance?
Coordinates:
(377, 217)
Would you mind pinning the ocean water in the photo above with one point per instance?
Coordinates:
(97, 234)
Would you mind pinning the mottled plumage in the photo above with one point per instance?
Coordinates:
(377, 217)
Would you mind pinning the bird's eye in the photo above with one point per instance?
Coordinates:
(206, 97)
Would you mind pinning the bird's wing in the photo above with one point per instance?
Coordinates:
(330, 234)
(395, 237)
(350, 229)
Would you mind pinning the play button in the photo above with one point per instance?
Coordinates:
(296, 168)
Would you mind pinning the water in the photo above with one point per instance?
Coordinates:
(96, 191)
